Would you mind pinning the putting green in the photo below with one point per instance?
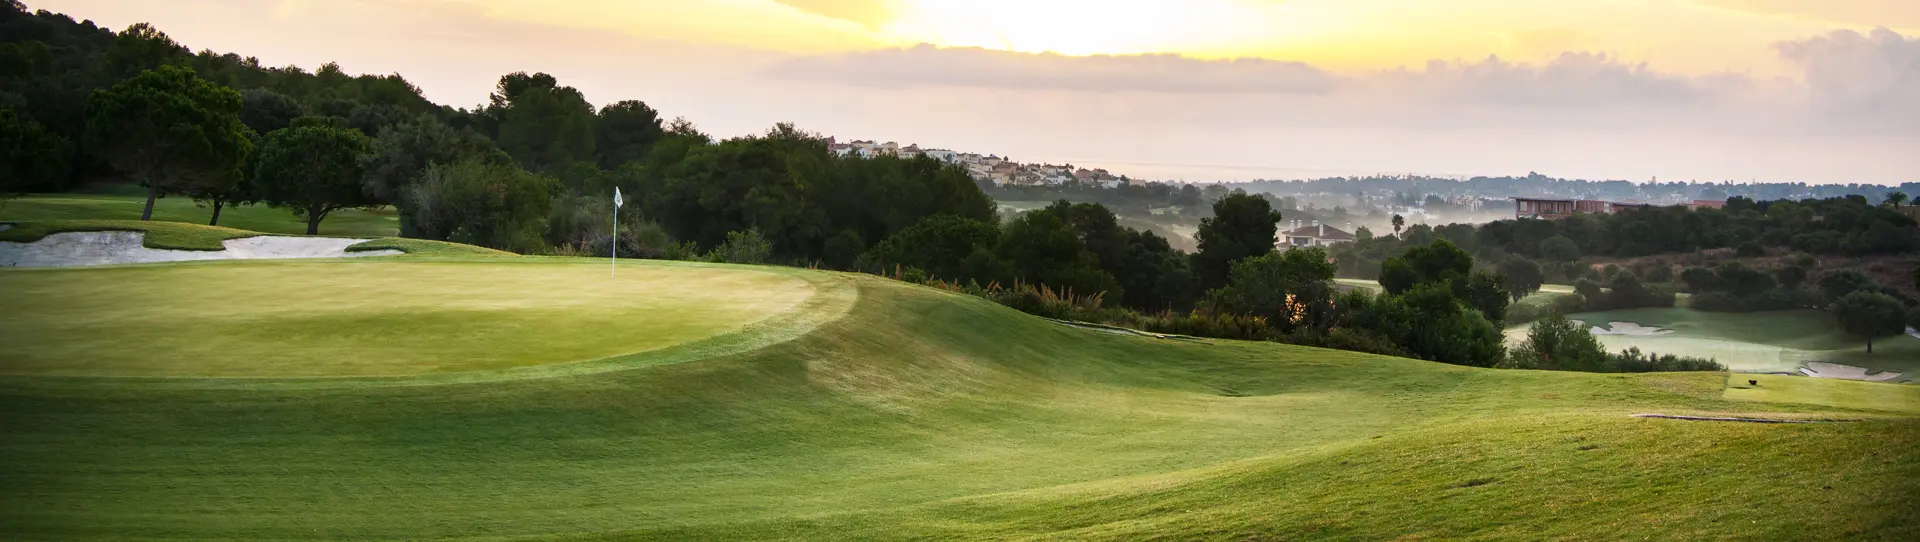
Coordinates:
(354, 318)
(1774, 341)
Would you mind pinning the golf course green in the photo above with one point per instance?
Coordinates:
(367, 318)
(1775, 341)
(323, 399)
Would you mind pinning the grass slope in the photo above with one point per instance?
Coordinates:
(367, 318)
(126, 206)
(925, 415)
(1759, 341)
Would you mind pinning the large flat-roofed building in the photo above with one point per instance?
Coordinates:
(1544, 208)
(1551, 208)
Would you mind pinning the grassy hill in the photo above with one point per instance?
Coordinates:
(869, 409)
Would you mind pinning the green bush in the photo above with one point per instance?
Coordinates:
(1559, 344)
(1632, 360)
(745, 247)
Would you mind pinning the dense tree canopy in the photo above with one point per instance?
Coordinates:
(169, 130)
(1242, 226)
(313, 169)
(1869, 316)
(31, 158)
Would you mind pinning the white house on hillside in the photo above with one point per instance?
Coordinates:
(1314, 235)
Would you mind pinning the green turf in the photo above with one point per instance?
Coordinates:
(160, 234)
(928, 415)
(362, 318)
(1774, 341)
(1825, 391)
(260, 218)
(425, 247)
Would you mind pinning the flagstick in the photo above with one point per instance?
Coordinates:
(613, 259)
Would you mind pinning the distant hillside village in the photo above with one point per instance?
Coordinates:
(989, 168)
(1372, 199)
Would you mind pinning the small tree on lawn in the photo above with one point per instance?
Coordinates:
(169, 130)
(313, 169)
(1869, 315)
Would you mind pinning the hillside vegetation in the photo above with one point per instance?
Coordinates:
(920, 414)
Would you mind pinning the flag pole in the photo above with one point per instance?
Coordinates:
(613, 258)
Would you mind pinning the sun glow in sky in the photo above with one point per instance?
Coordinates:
(1822, 90)
(1072, 28)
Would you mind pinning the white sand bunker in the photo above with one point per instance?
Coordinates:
(121, 247)
(1629, 328)
(1846, 372)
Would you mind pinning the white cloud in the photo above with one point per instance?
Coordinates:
(1872, 79)
(976, 67)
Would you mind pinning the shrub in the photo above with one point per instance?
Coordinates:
(1717, 302)
(1750, 249)
(842, 249)
(480, 203)
(746, 247)
(1559, 344)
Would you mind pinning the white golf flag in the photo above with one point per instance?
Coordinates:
(616, 197)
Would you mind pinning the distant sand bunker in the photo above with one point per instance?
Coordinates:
(1629, 328)
(123, 247)
(1845, 372)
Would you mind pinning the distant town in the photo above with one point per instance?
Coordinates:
(990, 168)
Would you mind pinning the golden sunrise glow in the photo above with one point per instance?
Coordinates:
(1689, 36)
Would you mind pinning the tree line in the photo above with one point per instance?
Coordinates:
(531, 171)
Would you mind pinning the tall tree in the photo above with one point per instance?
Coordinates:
(1242, 226)
(1869, 315)
(240, 190)
(1896, 198)
(625, 132)
(1523, 277)
(541, 124)
(1398, 222)
(169, 130)
(313, 168)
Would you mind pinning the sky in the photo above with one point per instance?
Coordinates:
(1196, 90)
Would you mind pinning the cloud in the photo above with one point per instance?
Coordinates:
(1873, 78)
(1570, 79)
(976, 67)
(1890, 13)
(869, 13)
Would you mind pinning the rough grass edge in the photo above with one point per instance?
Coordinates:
(425, 247)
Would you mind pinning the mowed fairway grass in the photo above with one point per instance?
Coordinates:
(1774, 341)
(355, 318)
(909, 414)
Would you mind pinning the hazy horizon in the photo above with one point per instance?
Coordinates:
(1212, 90)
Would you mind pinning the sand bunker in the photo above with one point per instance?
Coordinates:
(122, 247)
(1629, 328)
(1845, 372)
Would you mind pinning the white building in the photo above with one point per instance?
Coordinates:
(1313, 235)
